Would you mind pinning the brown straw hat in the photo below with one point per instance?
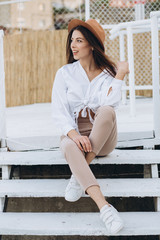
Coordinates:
(92, 25)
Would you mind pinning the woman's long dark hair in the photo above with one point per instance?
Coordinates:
(102, 61)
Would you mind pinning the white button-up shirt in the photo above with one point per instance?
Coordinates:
(73, 91)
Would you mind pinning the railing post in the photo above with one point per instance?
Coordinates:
(155, 71)
(87, 9)
(2, 95)
(131, 74)
(122, 58)
(139, 11)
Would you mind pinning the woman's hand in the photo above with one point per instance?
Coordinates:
(122, 70)
(82, 142)
(123, 67)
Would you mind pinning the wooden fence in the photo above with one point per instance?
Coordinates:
(32, 59)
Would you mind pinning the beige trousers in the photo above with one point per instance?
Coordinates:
(103, 137)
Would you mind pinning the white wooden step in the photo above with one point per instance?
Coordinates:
(40, 142)
(86, 224)
(146, 187)
(130, 136)
(56, 157)
(146, 142)
(33, 142)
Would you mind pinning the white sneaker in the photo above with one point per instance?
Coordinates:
(73, 190)
(110, 216)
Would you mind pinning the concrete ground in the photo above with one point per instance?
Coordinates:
(35, 119)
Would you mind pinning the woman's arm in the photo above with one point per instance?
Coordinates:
(122, 70)
(111, 91)
(60, 106)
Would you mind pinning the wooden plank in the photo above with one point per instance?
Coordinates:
(155, 175)
(84, 224)
(129, 136)
(56, 157)
(157, 204)
(56, 187)
(139, 142)
(154, 171)
(50, 142)
(4, 149)
(2, 94)
(6, 171)
(33, 143)
(2, 202)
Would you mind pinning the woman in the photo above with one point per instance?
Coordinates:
(84, 95)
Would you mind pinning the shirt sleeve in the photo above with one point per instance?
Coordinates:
(60, 108)
(114, 96)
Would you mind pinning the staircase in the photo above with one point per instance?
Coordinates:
(79, 223)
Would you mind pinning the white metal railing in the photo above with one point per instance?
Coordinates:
(154, 16)
(2, 94)
(14, 1)
(129, 28)
(87, 10)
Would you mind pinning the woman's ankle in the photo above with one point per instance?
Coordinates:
(101, 205)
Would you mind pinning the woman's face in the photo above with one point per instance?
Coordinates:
(80, 46)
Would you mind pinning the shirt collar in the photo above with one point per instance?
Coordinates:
(83, 72)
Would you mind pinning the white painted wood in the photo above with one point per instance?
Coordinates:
(115, 30)
(154, 170)
(155, 175)
(3, 143)
(13, 1)
(33, 143)
(124, 93)
(139, 142)
(122, 58)
(130, 136)
(87, 10)
(155, 13)
(6, 170)
(84, 224)
(3, 149)
(131, 27)
(47, 142)
(157, 204)
(56, 187)
(123, 141)
(139, 11)
(139, 87)
(2, 94)
(148, 147)
(131, 74)
(155, 72)
(121, 47)
(56, 157)
(2, 201)
(134, 30)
